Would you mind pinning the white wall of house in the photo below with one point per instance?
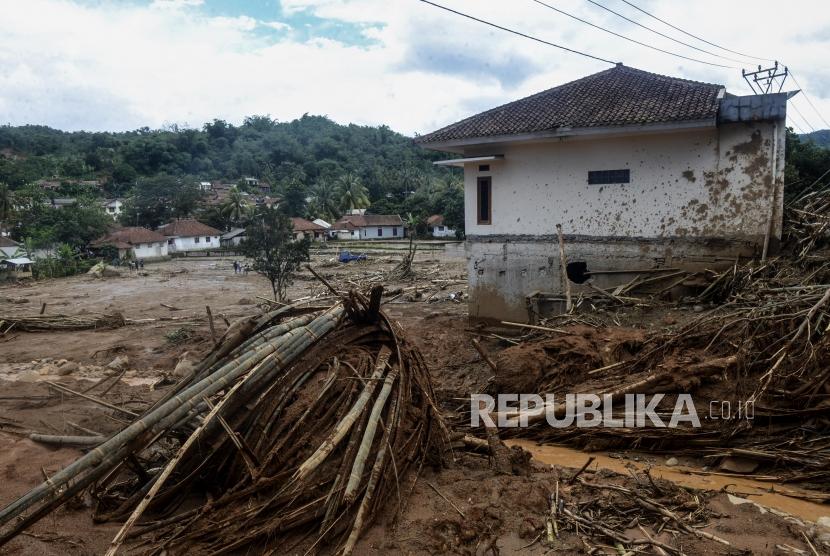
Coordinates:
(683, 184)
(150, 250)
(113, 208)
(196, 243)
(344, 234)
(381, 232)
(696, 200)
(442, 231)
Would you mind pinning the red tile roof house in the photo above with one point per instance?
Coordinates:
(437, 228)
(135, 243)
(306, 229)
(641, 170)
(186, 235)
(368, 226)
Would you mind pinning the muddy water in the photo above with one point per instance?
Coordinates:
(767, 494)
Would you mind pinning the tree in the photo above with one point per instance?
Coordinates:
(353, 194)
(294, 198)
(235, 208)
(324, 202)
(5, 207)
(271, 245)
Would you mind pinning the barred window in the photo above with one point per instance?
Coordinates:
(601, 177)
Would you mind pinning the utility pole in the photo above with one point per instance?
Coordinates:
(762, 80)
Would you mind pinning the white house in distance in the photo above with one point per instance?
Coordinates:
(134, 243)
(641, 170)
(306, 229)
(368, 226)
(190, 235)
(113, 207)
(436, 227)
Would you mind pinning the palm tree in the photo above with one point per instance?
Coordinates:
(353, 194)
(235, 207)
(325, 200)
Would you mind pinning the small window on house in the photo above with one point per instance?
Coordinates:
(603, 177)
(484, 201)
(207, 240)
(395, 231)
(380, 232)
(483, 167)
(196, 240)
(170, 242)
(440, 228)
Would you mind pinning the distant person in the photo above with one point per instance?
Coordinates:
(141, 263)
(247, 268)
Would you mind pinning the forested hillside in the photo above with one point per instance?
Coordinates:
(318, 166)
(820, 137)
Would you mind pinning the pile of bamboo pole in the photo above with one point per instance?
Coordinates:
(295, 430)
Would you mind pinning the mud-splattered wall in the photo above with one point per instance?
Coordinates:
(695, 199)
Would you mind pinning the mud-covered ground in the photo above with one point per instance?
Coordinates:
(463, 509)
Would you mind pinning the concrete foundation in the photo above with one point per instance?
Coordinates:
(518, 278)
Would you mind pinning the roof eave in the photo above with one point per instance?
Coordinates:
(458, 145)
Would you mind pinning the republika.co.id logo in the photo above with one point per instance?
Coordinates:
(592, 410)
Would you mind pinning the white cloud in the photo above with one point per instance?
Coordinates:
(123, 66)
(278, 25)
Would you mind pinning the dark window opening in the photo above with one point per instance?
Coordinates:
(483, 167)
(484, 201)
(603, 177)
(380, 232)
(578, 272)
(395, 231)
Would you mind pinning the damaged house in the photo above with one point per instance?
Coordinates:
(641, 170)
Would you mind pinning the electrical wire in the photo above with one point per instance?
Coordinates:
(807, 98)
(695, 36)
(806, 121)
(557, 10)
(518, 33)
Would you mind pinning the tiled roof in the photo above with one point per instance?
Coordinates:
(187, 228)
(7, 242)
(364, 220)
(435, 220)
(303, 225)
(614, 97)
(123, 237)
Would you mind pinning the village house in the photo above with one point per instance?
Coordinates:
(113, 207)
(9, 248)
(436, 227)
(368, 226)
(134, 243)
(306, 229)
(16, 268)
(233, 237)
(641, 170)
(60, 202)
(187, 234)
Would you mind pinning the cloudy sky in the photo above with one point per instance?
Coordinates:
(119, 65)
